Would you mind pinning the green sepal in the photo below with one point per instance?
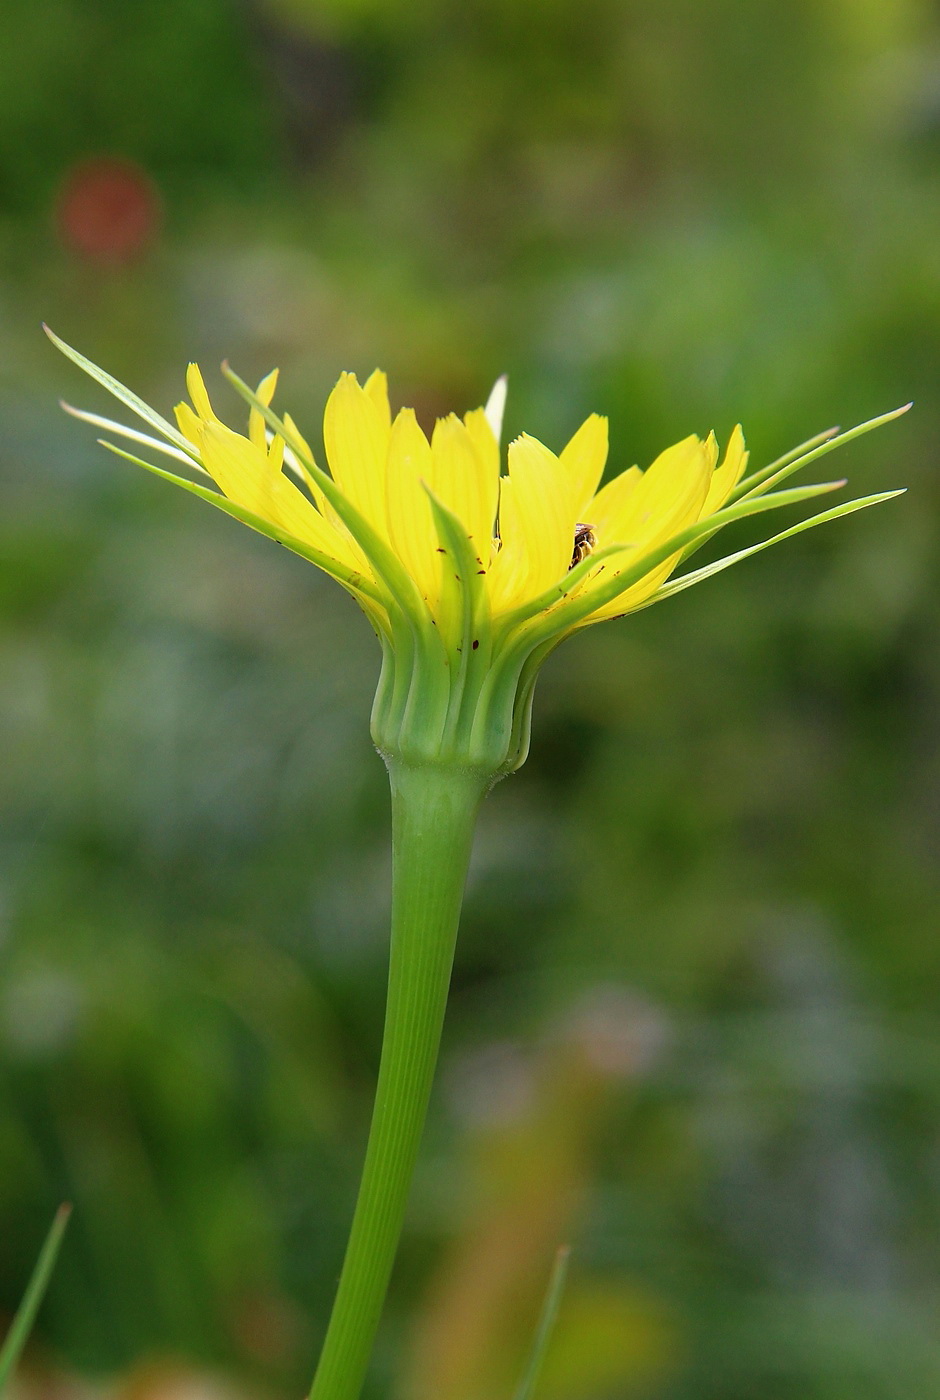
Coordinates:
(464, 576)
(463, 599)
(121, 392)
(525, 695)
(111, 425)
(796, 460)
(782, 461)
(351, 579)
(676, 585)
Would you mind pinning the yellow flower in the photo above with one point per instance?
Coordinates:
(522, 528)
(469, 577)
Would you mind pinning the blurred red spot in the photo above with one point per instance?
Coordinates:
(108, 209)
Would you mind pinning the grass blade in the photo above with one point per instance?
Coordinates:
(547, 1320)
(35, 1292)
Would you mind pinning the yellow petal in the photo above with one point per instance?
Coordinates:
(295, 464)
(584, 460)
(466, 480)
(411, 530)
(666, 499)
(376, 386)
(354, 553)
(536, 525)
(356, 447)
(727, 476)
(507, 584)
(197, 392)
(275, 453)
(638, 593)
(264, 392)
(252, 479)
(608, 508)
(189, 423)
(299, 438)
(668, 496)
(711, 450)
(483, 439)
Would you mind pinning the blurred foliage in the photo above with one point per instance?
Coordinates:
(720, 859)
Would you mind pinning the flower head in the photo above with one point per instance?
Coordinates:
(470, 577)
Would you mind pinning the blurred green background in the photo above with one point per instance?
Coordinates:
(694, 1027)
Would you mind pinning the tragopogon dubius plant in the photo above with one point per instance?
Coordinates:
(470, 578)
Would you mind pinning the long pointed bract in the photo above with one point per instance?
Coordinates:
(121, 392)
(767, 477)
(97, 420)
(341, 572)
(676, 585)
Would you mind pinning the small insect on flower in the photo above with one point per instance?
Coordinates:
(585, 542)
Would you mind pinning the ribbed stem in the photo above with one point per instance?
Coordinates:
(433, 816)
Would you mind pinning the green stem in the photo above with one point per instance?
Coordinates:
(433, 816)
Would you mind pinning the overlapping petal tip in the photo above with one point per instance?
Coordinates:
(196, 387)
(411, 529)
(537, 524)
(376, 390)
(549, 548)
(465, 477)
(256, 425)
(584, 459)
(355, 435)
(726, 477)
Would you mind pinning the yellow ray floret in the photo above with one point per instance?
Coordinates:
(521, 526)
(418, 527)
